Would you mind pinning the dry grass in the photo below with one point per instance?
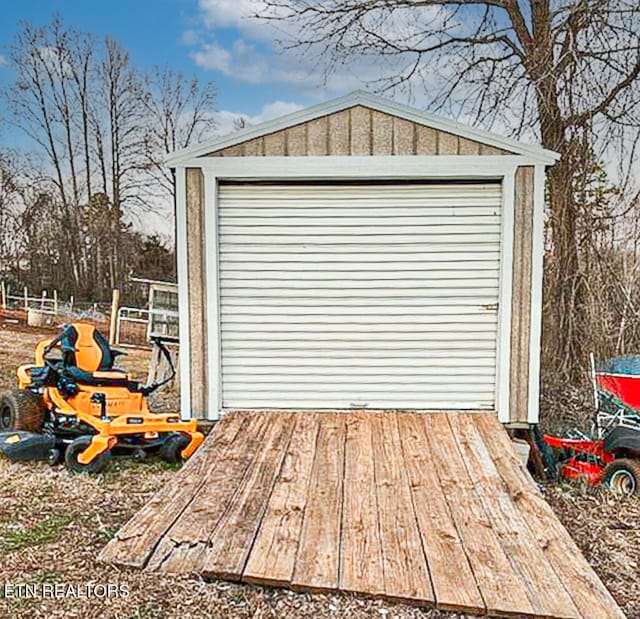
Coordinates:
(79, 514)
(53, 525)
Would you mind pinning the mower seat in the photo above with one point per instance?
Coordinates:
(88, 359)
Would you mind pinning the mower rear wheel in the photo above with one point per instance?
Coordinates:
(171, 450)
(75, 448)
(21, 410)
(623, 476)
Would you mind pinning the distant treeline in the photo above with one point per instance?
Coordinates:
(73, 204)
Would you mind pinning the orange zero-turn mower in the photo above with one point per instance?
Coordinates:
(73, 404)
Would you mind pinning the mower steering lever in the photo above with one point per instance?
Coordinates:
(101, 398)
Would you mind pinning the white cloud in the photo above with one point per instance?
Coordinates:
(240, 14)
(225, 119)
(3, 62)
(256, 57)
(243, 61)
(190, 37)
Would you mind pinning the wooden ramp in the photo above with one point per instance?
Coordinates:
(430, 509)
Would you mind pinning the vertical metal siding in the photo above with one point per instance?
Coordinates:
(342, 296)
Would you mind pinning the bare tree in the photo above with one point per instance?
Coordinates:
(102, 129)
(11, 203)
(564, 71)
(43, 105)
(241, 122)
(178, 112)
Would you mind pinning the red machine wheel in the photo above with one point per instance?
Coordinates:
(623, 476)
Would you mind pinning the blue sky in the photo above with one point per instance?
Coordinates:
(211, 38)
(216, 39)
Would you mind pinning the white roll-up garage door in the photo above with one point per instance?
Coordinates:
(338, 296)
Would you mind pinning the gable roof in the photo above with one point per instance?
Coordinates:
(374, 102)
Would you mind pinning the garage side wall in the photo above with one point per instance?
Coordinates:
(521, 295)
(197, 306)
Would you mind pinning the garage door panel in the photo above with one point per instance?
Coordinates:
(320, 403)
(320, 321)
(357, 395)
(361, 282)
(476, 297)
(353, 217)
(286, 269)
(471, 194)
(315, 367)
(346, 311)
(336, 296)
(393, 253)
(385, 358)
(342, 242)
(383, 338)
(332, 224)
(416, 277)
(358, 348)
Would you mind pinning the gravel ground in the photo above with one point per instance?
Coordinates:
(53, 525)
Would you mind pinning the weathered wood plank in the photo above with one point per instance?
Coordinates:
(406, 576)
(447, 143)
(500, 587)
(339, 133)
(587, 591)
(360, 130)
(275, 144)
(254, 148)
(453, 581)
(403, 137)
(194, 179)
(317, 564)
(136, 540)
(297, 140)
(468, 147)
(318, 137)
(381, 133)
(521, 294)
(486, 149)
(361, 558)
(181, 550)
(426, 140)
(273, 556)
(546, 592)
(230, 543)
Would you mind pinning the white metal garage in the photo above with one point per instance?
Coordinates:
(360, 254)
(371, 295)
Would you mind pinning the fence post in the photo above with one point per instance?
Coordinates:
(43, 300)
(3, 289)
(113, 322)
(71, 304)
(55, 302)
(26, 299)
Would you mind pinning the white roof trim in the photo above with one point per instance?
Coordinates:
(360, 97)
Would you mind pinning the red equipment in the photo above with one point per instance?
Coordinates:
(612, 453)
(587, 460)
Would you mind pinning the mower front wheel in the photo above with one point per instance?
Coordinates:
(171, 450)
(75, 448)
(623, 476)
(21, 410)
